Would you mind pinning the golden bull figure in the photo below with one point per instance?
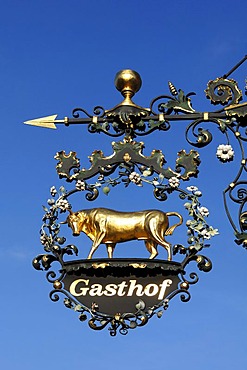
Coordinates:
(109, 227)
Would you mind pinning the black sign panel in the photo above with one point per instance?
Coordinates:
(116, 287)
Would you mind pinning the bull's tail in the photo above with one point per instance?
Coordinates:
(170, 229)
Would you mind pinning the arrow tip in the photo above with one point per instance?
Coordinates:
(46, 122)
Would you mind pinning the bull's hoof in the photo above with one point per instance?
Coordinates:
(153, 256)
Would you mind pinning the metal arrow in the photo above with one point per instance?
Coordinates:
(48, 122)
(51, 121)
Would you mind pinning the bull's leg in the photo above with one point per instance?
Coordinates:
(101, 228)
(152, 248)
(167, 246)
(110, 249)
(157, 235)
(164, 244)
(169, 250)
(95, 245)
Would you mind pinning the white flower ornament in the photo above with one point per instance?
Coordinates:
(192, 188)
(135, 178)
(53, 191)
(203, 211)
(174, 182)
(62, 204)
(225, 152)
(80, 185)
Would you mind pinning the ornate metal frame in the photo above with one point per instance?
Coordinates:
(198, 230)
(130, 165)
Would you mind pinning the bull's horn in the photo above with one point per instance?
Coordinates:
(66, 221)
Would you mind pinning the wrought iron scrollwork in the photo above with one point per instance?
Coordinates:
(121, 323)
(127, 156)
(131, 120)
(199, 233)
(227, 90)
(127, 165)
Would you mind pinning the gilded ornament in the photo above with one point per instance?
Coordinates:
(184, 285)
(126, 157)
(57, 284)
(100, 265)
(138, 265)
(109, 227)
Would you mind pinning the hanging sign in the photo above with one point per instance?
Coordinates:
(119, 293)
(117, 287)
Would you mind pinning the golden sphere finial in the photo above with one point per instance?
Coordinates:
(128, 81)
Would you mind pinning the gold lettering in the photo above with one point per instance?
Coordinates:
(166, 283)
(138, 287)
(83, 291)
(110, 290)
(80, 287)
(96, 289)
(121, 286)
(154, 290)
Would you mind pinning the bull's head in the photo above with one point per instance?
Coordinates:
(74, 221)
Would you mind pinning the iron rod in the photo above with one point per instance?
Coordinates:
(235, 67)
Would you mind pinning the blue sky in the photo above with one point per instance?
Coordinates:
(58, 55)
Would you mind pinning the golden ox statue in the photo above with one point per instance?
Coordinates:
(110, 227)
